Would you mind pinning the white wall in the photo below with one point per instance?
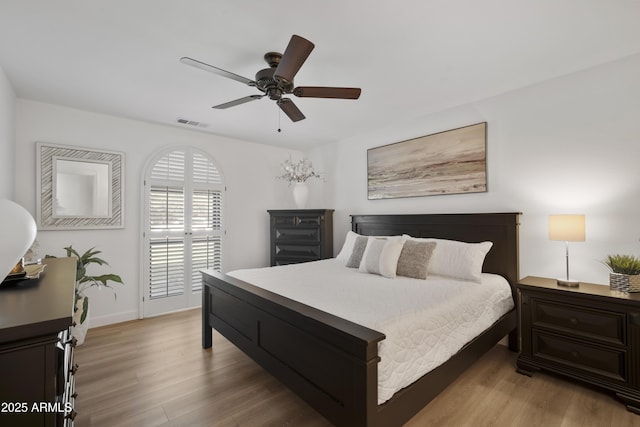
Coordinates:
(249, 170)
(7, 137)
(568, 145)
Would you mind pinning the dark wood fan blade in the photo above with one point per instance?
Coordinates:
(215, 70)
(327, 92)
(237, 102)
(292, 59)
(290, 109)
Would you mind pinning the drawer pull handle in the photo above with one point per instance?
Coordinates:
(573, 321)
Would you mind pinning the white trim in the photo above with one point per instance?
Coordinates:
(108, 319)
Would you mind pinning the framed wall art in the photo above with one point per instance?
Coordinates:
(449, 162)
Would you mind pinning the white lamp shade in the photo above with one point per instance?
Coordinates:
(569, 228)
(17, 233)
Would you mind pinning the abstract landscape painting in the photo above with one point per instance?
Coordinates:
(449, 162)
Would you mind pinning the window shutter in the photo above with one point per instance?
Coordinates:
(206, 253)
(204, 171)
(206, 218)
(166, 267)
(166, 208)
(206, 210)
(185, 234)
(170, 167)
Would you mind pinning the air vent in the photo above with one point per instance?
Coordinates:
(191, 123)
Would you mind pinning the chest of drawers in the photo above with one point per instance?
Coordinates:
(301, 235)
(587, 333)
(36, 352)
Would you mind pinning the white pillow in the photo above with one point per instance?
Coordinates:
(459, 260)
(347, 247)
(381, 256)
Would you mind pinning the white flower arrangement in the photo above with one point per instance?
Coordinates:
(297, 172)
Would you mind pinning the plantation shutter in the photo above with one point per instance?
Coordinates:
(166, 271)
(185, 222)
(206, 253)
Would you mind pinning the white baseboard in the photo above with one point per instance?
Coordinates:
(110, 319)
(95, 322)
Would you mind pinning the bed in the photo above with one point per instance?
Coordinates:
(332, 363)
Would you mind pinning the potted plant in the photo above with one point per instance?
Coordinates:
(83, 282)
(625, 272)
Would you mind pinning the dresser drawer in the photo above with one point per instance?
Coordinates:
(605, 362)
(297, 220)
(310, 252)
(582, 321)
(303, 235)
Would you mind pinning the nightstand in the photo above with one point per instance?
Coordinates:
(588, 333)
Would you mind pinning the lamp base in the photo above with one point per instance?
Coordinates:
(568, 283)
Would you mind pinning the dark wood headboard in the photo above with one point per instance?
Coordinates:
(499, 228)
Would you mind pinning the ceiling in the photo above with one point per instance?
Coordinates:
(411, 57)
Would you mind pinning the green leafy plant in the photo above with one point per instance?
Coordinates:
(84, 280)
(623, 264)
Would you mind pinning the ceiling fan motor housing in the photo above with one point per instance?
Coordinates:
(269, 85)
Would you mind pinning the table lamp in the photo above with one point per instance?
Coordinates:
(17, 233)
(569, 228)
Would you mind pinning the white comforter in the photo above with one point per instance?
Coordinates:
(425, 321)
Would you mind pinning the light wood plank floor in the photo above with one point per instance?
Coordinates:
(153, 372)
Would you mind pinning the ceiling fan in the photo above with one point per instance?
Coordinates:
(277, 80)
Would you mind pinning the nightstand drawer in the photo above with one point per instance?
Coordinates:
(579, 321)
(605, 362)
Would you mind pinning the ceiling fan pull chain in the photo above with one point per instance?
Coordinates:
(279, 111)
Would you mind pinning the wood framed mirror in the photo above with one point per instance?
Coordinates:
(79, 188)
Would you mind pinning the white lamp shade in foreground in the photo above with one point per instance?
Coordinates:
(17, 233)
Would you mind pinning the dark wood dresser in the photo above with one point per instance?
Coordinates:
(36, 352)
(301, 235)
(588, 333)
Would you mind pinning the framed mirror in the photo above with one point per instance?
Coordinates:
(79, 188)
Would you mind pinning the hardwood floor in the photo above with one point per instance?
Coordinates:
(153, 372)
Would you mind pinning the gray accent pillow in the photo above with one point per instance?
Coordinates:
(414, 259)
(358, 250)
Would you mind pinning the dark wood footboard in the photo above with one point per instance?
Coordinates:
(328, 361)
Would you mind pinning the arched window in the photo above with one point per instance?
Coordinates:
(184, 201)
